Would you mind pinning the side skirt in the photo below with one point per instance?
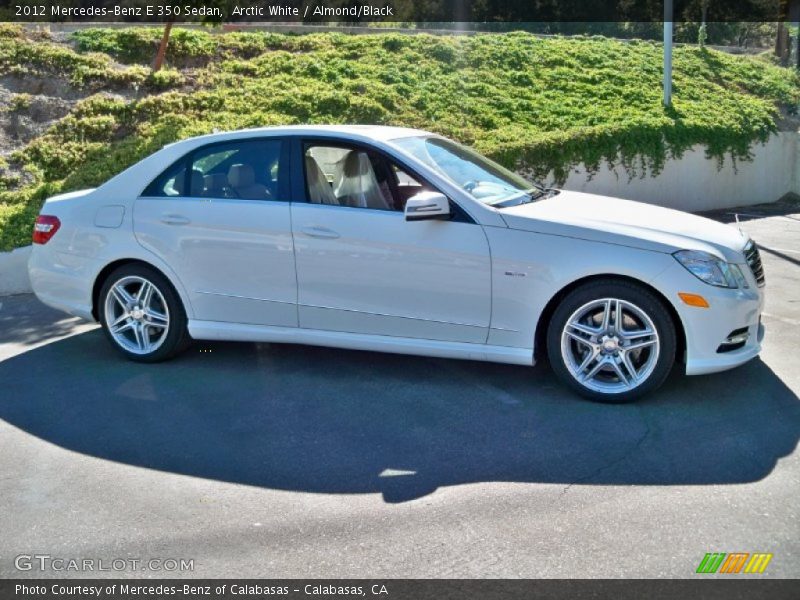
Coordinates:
(237, 332)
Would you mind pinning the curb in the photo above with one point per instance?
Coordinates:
(14, 272)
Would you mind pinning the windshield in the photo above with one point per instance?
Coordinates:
(484, 179)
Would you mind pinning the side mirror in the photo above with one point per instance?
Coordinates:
(427, 205)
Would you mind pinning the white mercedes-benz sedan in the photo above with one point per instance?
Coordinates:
(396, 240)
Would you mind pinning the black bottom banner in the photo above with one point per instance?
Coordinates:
(395, 589)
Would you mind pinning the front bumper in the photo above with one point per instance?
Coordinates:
(698, 365)
(707, 328)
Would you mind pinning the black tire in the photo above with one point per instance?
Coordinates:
(176, 338)
(641, 299)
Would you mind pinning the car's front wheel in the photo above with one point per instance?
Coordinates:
(611, 341)
(141, 314)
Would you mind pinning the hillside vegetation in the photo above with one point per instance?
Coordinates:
(536, 105)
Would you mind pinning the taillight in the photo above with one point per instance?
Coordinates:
(45, 228)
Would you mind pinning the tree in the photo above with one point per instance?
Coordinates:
(162, 47)
(225, 7)
(789, 13)
(782, 42)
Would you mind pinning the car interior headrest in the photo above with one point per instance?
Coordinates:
(241, 176)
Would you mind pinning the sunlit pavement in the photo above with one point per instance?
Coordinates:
(291, 461)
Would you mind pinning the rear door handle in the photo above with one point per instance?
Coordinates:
(320, 232)
(174, 220)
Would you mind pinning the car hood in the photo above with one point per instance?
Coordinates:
(625, 222)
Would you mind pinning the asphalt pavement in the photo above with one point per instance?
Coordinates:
(267, 460)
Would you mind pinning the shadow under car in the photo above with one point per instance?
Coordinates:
(333, 421)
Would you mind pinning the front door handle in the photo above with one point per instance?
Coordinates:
(174, 220)
(320, 232)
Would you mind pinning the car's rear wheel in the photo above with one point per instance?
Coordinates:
(611, 341)
(142, 315)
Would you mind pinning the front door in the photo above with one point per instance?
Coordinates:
(362, 268)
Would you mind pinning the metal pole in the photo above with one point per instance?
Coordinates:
(797, 44)
(667, 52)
(794, 19)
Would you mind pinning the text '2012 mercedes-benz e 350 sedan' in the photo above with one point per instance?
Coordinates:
(396, 240)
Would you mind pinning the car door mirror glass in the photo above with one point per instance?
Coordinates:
(427, 205)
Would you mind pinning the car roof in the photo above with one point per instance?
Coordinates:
(357, 132)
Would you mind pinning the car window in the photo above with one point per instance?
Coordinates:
(246, 169)
(351, 176)
(406, 186)
(482, 178)
(242, 169)
(206, 162)
(170, 182)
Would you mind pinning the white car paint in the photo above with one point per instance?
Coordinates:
(628, 223)
(216, 253)
(372, 272)
(280, 271)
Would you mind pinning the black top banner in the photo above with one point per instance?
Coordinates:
(379, 11)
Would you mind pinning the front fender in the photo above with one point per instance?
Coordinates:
(529, 269)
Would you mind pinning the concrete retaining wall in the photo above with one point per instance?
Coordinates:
(14, 272)
(694, 183)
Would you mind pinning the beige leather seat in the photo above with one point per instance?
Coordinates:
(356, 184)
(195, 183)
(215, 185)
(319, 189)
(242, 180)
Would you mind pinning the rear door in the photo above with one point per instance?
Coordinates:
(220, 218)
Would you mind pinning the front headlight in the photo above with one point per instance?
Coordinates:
(710, 269)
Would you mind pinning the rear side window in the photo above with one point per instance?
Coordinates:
(169, 183)
(246, 169)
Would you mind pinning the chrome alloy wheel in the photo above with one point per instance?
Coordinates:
(137, 315)
(610, 345)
